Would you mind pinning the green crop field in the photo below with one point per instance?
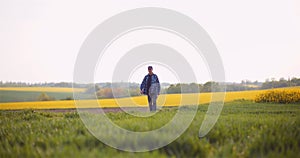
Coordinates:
(26, 94)
(244, 129)
(22, 96)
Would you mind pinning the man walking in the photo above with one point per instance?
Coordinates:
(151, 87)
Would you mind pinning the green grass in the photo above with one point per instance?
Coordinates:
(244, 129)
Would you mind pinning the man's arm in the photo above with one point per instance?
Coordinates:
(158, 84)
(143, 85)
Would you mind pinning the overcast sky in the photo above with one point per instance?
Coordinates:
(257, 39)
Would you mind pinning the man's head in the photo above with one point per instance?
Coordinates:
(150, 68)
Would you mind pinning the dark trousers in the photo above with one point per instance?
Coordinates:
(152, 102)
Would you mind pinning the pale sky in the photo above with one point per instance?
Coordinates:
(40, 39)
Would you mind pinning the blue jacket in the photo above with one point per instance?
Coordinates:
(144, 86)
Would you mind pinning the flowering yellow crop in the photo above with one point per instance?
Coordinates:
(279, 96)
(163, 100)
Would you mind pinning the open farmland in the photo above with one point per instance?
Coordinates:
(244, 129)
(27, 94)
(164, 100)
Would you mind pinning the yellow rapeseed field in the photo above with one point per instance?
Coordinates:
(163, 100)
(41, 89)
(279, 96)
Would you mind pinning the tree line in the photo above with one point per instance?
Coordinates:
(125, 89)
(280, 83)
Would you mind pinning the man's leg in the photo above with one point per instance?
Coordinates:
(153, 99)
(149, 102)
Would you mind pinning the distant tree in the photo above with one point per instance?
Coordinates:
(267, 84)
(194, 88)
(105, 93)
(174, 89)
(134, 91)
(282, 83)
(211, 86)
(45, 97)
(92, 89)
(295, 81)
(60, 84)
